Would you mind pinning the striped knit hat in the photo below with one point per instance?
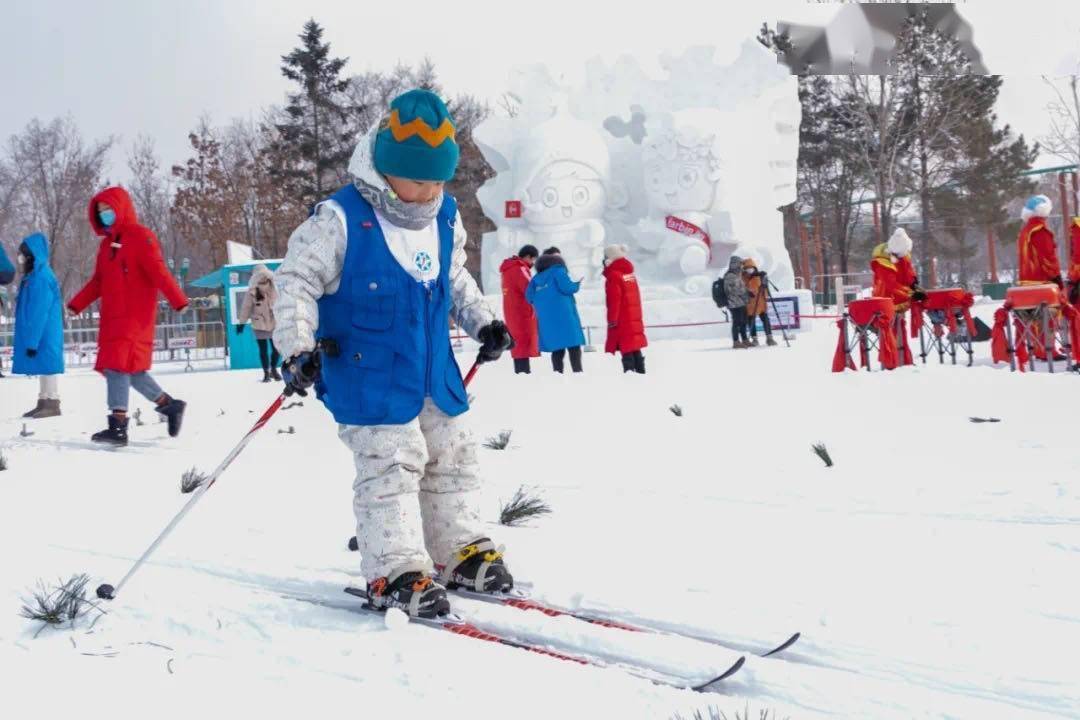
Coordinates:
(416, 140)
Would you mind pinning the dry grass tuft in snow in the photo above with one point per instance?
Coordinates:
(676, 410)
(522, 507)
(191, 481)
(65, 603)
(500, 441)
(822, 452)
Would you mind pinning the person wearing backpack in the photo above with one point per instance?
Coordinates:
(737, 296)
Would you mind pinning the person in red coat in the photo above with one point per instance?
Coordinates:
(1038, 261)
(1074, 262)
(626, 325)
(519, 314)
(128, 275)
(894, 275)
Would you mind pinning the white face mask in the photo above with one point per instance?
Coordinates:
(21, 259)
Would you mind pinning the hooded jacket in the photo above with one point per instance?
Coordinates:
(734, 287)
(520, 317)
(39, 320)
(757, 302)
(893, 279)
(551, 292)
(1038, 253)
(128, 274)
(626, 325)
(258, 303)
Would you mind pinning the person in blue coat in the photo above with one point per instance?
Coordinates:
(551, 292)
(7, 274)
(39, 325)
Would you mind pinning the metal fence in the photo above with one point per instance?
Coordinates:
(195, 335)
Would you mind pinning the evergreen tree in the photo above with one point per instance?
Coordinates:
(314, 135)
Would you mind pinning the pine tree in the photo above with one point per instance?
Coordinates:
(315, 134)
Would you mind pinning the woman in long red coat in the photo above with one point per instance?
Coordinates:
(128, 275)
(626, 325)
(519, 314)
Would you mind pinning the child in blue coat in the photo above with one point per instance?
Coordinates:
(39, 325)
(551, 292)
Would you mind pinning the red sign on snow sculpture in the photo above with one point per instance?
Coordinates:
(513, 208)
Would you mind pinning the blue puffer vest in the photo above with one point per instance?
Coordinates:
(393, 333)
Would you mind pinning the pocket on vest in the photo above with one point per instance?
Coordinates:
(373, 301)
(368, 376)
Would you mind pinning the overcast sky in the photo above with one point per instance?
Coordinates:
(153, 67)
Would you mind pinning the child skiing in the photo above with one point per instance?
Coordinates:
(128, 275)
(39, 326)
(364, 298)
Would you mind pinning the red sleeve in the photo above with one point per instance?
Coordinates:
(1043, 242)
(1074, 265)
(90, 292)
(154, 266)
(613, 289)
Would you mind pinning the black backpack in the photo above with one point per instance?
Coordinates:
(719, 294)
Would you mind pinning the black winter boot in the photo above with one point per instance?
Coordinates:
(173, 410)
(266, 375)
(47, 409)
(411, 592)
(274, 373)
(639, 362)
(34, 411)
(521, 365)
(116, 434)
(478, 566)
(628, 363)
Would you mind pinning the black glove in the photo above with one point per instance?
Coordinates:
(300, 372)
(240, 328)
(1074, 293)
(1057, 281)
(31, 352)
(494, 338)
(918, 295)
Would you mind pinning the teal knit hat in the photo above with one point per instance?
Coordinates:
(416, 140)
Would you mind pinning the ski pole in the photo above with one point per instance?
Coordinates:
(108, 592)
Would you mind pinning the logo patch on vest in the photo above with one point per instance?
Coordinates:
(423, 261)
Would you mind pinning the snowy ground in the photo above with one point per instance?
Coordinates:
(932, 571)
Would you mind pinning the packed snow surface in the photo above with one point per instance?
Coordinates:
(932, 571)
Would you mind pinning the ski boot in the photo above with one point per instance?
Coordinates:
(410, 591)
(173, 410)
(116, 434)
(477, 566)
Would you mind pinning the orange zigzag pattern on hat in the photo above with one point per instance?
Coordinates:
(417, 126)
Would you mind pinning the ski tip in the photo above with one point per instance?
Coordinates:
(723, 676)
(784, 645)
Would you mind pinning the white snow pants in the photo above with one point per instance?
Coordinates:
(416, 493)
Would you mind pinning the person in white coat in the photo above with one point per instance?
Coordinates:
(365, 294)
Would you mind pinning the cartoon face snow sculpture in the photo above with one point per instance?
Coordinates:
(561, 171)
(682, 173)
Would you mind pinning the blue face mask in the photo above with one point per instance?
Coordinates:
(107, 217)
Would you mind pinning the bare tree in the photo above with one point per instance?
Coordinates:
(1063, 140)
(55, 173)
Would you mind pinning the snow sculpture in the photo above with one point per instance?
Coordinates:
(685, 169)
(560, 175)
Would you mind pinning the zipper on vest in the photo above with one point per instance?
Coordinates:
(427, 336)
